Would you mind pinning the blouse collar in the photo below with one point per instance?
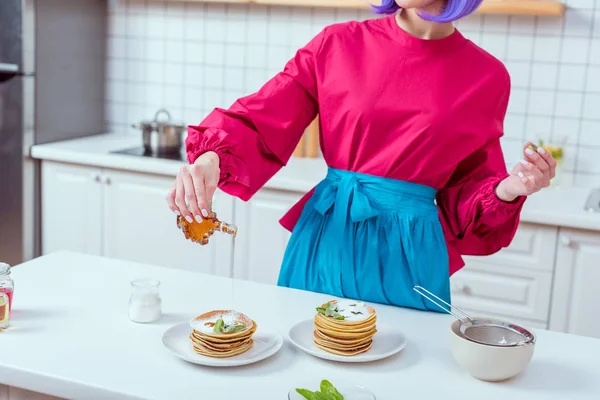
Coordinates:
(452, 42)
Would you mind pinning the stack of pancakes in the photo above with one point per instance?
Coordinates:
(208, 343)
(349, 336)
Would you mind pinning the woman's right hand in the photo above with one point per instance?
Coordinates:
(194, 187)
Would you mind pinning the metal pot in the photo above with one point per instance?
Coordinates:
(161, 136)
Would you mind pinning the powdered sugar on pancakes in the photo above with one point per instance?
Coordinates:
(206, 324)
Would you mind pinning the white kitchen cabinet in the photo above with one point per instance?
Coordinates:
(532, 248)
(261, 240)
(71, 208)
(502, 290)
(124, 215)
(577, 284)
(514, 283)
(138, 225)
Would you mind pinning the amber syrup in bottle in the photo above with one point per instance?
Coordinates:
(4, 314)
(200, 232)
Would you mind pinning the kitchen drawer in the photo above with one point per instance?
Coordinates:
(533, 247)
(502, 290)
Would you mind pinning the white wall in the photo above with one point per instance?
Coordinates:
(192, 57)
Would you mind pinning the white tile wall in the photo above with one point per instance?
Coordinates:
(191, 57)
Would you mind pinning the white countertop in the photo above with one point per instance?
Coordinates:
(71, 337)
(561, 206)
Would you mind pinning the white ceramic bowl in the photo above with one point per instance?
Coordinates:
(489, 363)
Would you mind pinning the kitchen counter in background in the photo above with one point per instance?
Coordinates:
(78, 343)
(561, 206)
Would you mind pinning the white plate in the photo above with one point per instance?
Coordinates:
(176, 339)
(348, 390)
(386, 342)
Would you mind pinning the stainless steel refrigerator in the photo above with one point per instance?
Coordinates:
(52, 63)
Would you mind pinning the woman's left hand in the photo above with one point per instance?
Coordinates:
(530, 175)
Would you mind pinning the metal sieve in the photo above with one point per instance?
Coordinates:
(490, 332)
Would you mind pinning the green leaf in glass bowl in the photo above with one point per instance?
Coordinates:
(307, 394)
(330, 390)
(327, 392)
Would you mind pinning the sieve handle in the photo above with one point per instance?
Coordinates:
(420, 290)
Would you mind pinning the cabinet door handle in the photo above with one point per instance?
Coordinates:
(96, 178)
(565, 240)
(107, 180)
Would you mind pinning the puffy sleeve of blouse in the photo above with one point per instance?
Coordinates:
(257, 135)
(475, 219)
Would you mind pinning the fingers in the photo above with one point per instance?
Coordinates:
(190, 194)
(195, 187)
(180, 199)
(182, 195)
(544, 162)
(206, 167)
(539, 155)
(198, 173)
(537, 159)
(531, 176)
(546, 156)
(528, 182)
(532, 171)
(171, 200)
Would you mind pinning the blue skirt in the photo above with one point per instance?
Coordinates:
(369, 238)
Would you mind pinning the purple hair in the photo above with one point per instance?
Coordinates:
(454, 10)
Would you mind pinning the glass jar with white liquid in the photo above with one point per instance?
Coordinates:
(145, 304)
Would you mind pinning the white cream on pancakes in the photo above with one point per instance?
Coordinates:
(352, 310)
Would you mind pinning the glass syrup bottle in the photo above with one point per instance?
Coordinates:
(200, 232)
(3, 311)
(7, 285)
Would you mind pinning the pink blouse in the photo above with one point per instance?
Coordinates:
(389, 104)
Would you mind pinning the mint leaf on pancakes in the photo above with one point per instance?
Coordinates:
(330, 310)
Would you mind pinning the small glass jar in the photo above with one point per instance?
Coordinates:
(7, 285)
(145, 304)
(3, 311)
